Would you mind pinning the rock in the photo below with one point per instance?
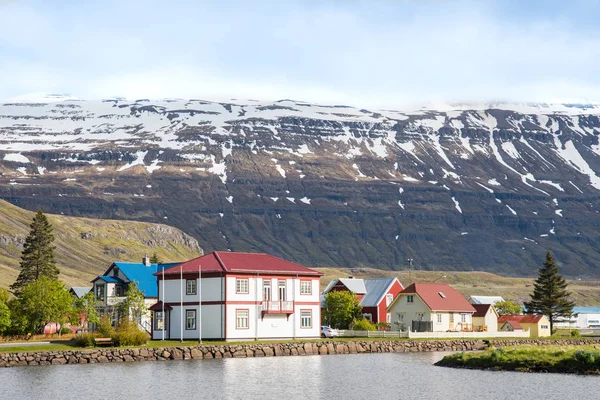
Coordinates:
(196, 354)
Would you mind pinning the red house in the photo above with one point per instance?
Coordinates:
(375, 294)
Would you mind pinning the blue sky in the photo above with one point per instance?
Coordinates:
(365, 53)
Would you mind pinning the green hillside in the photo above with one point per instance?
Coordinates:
(86, 247)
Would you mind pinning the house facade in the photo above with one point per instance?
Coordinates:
(431, 307)
(110, 287)
(237, 296)
(485, 318)
(537, 325)
(375, 294)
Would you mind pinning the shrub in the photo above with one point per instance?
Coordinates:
(65, 331)
(104, 328)
(575, 333)
(128, 334)
(84, 339)
(363, 325)
(383, 326)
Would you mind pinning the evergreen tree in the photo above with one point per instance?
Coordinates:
(550, 296)
(155, 259)
(37, 259)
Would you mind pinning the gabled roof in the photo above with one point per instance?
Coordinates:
(523, 319)
(439, 297)
(80, 291)
(515, 324)
(481, 309)
(108, 279)
(377, 288)
(233, 262)
(354, 285)
(485, 299)
(143, 275)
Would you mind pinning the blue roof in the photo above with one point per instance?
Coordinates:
(586, 310)
(143, 275)
(109, 279)
(376, 289)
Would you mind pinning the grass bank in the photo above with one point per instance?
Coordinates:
(559, 359)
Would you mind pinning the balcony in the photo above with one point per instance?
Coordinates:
(277, 307)
(114, 300)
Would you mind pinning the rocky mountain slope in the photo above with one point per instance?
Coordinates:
(456, 187)
(86, 247)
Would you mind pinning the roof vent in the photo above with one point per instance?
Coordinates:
(442, 295)
(350, 277)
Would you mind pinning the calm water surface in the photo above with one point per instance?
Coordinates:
(360, 376)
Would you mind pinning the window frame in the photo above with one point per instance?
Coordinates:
(302, 319)
(400, 316)
(308, 284)
(389, 298)
(103, 291)
(282, 284)
(187, 319)
(238, 285)
(157, 320)
(410, 299)
(237, 318)
(439, 318)
(463, 318)
(187, 287)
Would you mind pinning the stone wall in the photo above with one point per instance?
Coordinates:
(208, 351)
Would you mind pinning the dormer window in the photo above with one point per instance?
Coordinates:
(442, 295)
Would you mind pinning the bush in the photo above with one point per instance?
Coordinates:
(575, 333)
(128, 334)
(363, 325)
(84, 339)
(104, 328)
(65, 331)
(383, 326)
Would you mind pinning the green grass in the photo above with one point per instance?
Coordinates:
(563, 359)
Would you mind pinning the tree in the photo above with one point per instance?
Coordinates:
(134, 305)
(155, 259)
(37, 258)
(550, 296)
(42, 301)
(341, 308)
(85, 307)
(508, 308)
(4, 311)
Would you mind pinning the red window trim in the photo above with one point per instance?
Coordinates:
(236, 286)
(306, 280)
(311, 318)
(236, 318)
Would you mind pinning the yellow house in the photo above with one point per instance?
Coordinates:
(485, 318)
(538, 325)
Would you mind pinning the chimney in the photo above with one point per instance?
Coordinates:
(146, 260)
(350, 277)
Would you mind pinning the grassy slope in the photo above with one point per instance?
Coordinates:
(471, 283)
(79, 259)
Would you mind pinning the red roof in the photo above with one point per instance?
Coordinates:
(481, 309)
(440, 297)
(523, 319)
(515, 324)
(232, 262)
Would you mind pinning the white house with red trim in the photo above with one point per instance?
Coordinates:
(245, 296)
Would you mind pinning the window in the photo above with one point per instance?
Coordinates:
(266, 290)
(368, 317)
(442, 295)
(439, 318)
(241, 286)
(451, 318)
(190, 286)
(388, 318)
(282, 291)
(306, 319)
(241, 319)
(158, 321)
(463, 318)
(410, 299)
(544, 326)
(388, 299)
(100, 292)
(420, 316)
(400, 317)
(190, 319)
(305, 287)
(118, 291)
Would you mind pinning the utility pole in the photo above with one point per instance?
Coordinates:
(410, 261)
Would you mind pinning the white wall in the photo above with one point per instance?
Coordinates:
(411, 313)
(468, 335)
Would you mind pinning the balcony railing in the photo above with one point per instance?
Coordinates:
(277, 307)
(114, 300)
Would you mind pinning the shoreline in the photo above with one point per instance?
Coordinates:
(208, 351)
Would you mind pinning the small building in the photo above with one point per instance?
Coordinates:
(110, 287)
(485, 299)
(375, 294)
(538, 325)
(431, 307)
(582, 318)
(79, 292)
(237, 296)
(485, 318)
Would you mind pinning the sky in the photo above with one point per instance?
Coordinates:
(364, 53)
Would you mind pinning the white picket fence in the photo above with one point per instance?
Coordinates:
(373, 334)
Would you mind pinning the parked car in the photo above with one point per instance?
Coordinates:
(327, 331)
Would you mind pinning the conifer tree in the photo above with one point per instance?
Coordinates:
(155, 259)
(37, 258)
(550, 296)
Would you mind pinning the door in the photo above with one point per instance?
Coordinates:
(266, 290)
(282, 291)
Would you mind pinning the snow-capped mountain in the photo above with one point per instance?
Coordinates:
(461, 186)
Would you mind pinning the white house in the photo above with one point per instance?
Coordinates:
(431, 307)
(244, 296)
(485, 318)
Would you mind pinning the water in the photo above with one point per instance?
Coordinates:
(358, 376)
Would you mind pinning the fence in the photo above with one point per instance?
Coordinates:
(468, 335)
(373, 334)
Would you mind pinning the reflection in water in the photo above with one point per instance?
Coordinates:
(391, 376)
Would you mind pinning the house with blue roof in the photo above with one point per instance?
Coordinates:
(375, 294)
(110, 287)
